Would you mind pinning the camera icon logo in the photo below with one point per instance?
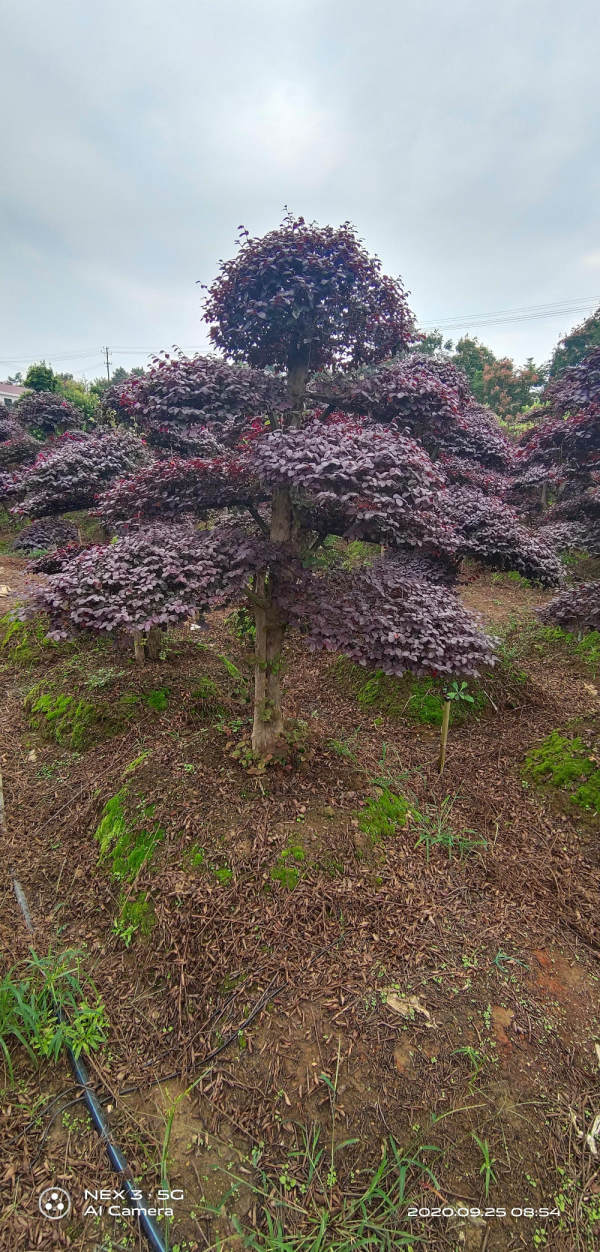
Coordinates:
(54, 1203)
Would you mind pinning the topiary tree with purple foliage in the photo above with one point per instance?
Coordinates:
(17, 447)
(576, 607)
(316, 425)
(46, 413)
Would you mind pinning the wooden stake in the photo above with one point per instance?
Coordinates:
(444, 735)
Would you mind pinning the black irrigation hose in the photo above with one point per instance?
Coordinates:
(115, 1156)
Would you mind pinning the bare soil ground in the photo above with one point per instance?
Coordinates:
(449, 1002)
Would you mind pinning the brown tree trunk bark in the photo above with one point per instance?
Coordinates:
(138, 647)
(153, 643)
(267, 730)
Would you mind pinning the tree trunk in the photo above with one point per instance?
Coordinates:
(267, 731)
(153, 643)
(138, 647)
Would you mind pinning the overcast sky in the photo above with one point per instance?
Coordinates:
(461, 139)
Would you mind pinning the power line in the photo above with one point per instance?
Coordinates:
(499, 317)
(527, 313)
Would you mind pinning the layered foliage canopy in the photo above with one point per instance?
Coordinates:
(310, 294)
(319, 423)
(71, 471)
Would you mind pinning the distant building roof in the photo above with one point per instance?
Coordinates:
(11, 389)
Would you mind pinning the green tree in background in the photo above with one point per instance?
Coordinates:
(40, 377)
(494, 381)
(571, 349)
(78, 394)
(472, 356)
(120, 375)
(433, 342)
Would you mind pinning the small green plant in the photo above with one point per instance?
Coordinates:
(136, 914)
(475, 1058)
(207, 701)
(304, 1210)
(47, 1003)
(232, 670)
(459, 691)
(196, 857)
(205, 690)
(341, 747)
(487, 1165)
(434, 829)
(241, 624)
(103, 677)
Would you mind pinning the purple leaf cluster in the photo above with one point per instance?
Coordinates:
(176, 400)
(384, 618)
(461, 472)
(368, 482)
(169, 489)
(156, 577)
(310, 294)
(46, 533)
(8, 488)
(577, 607)
(490, 531)
(428, 399)
(72, 471)
(405, 390)
(476, 435)
(567, 537)
(17, 447)
(47, 412)
(577, 389)
(52, 562)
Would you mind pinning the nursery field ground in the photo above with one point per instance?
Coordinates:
(383, 983)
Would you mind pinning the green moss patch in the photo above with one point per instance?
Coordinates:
(71, 721)
(565, 762)
(287, 867)
(418, 699)
(23, 643)
(157, 699)
(125, 845)
(135, 916)
(383, 815)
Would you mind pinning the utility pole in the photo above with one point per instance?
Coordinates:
(105, 351)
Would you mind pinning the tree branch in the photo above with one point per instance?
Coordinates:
(257, 518)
